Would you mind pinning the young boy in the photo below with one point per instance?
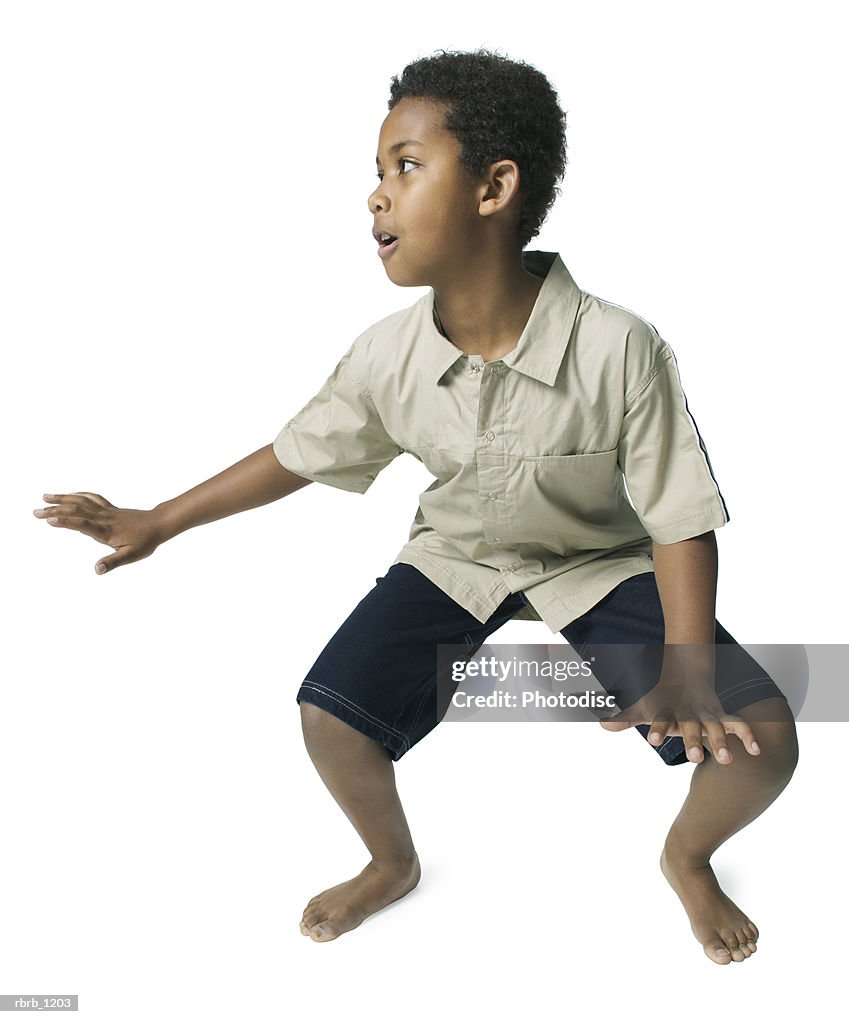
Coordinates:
(534, 404)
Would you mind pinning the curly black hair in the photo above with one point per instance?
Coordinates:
(499, 109)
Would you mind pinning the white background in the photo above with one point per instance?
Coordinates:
(186, 253)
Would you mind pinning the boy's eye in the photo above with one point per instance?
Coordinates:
(403, 160)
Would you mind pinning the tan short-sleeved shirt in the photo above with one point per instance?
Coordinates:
(535, 455)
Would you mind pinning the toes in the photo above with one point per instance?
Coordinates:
(719, 954)
(727, 945)
(324, 931)
(311, 917)
(717, 950)
(749, 936)
(732, 944)
(743, 943)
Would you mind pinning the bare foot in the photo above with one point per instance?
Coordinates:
(348, 904)
(719, 924)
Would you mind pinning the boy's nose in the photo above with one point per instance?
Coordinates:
(378, 201)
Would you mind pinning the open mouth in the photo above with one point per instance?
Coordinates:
(387, 244)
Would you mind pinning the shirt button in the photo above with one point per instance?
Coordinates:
(489, 435)
(496, 540)
(492, 496)
(511, 568)
(494, 369)
(475, 368)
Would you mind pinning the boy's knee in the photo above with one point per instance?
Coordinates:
(784, 749)
(325, 733)
(322, 732)
(333, 743)
(315, 721)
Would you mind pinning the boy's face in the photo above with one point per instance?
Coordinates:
(426, 198)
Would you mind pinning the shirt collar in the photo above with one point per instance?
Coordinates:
(542, 344)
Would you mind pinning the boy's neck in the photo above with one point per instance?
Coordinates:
(484, 311)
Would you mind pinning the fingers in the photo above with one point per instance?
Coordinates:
(743, 731)
(66, 519)
(694, 725)
(691, 733)
(718, 740)
(69, 521)
(72, 512)
(716, 730)
(661, 726)
(124, 555)
(79, 499)
(98, 499)
(691, 724)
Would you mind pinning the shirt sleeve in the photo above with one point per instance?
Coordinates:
(663, 458)
(338, 437)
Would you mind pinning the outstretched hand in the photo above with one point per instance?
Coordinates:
(133, 533)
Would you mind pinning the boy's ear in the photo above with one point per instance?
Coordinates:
(500, 188)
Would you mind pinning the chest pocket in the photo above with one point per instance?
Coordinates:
(573, 494)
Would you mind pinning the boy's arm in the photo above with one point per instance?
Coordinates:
(671, 485)
(685, 696)
(338, 438)
(686, 574)
(250, 483)
(137, 533)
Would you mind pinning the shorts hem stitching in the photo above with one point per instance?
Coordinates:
(346, 702)
(747, 684)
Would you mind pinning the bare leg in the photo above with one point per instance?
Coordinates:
(723, 799)
(360, 774)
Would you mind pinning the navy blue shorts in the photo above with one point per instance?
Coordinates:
(378, 672)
